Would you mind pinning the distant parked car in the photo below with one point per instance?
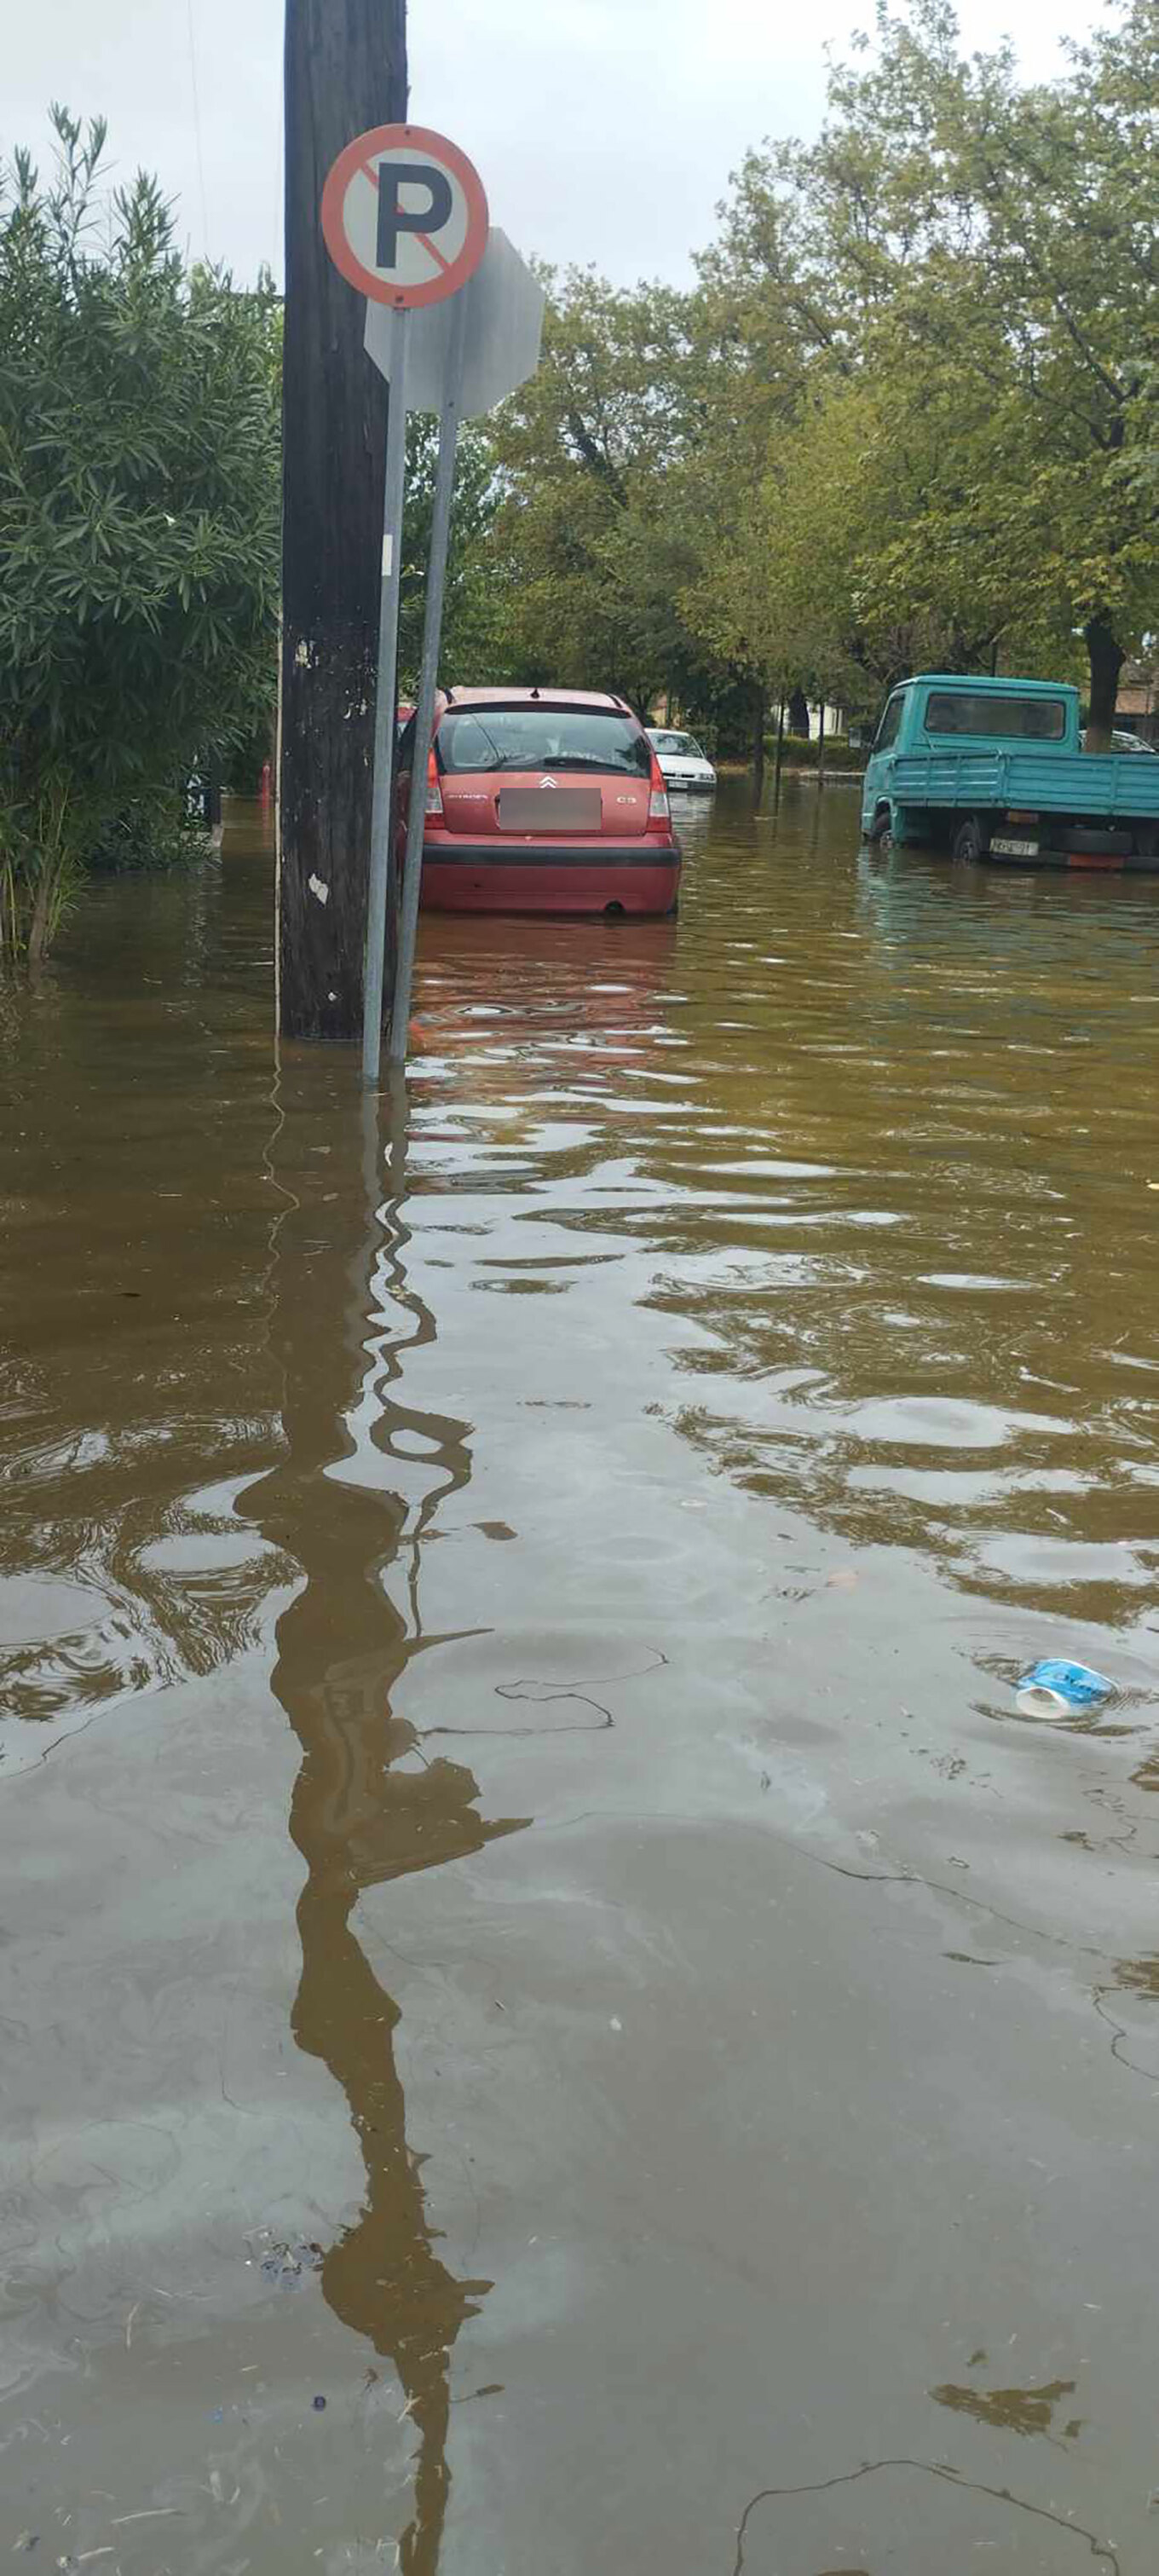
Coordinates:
(984, 765)
(202, 797)
(1126, 742)
(682, 759)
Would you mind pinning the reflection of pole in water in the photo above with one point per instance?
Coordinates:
(341, 1298)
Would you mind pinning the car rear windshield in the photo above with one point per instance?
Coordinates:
(992, 711)
(535, 737)
(684, 745)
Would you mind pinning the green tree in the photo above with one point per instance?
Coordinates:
(596, 536)
(475, 644)
(139, 519)
(994, 245)
(875, 544)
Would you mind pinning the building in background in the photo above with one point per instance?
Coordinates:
(1137, 704)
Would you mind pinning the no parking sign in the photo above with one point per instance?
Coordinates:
(404, 218)
(404, 215)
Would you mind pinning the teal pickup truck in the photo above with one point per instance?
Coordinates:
(995, 769)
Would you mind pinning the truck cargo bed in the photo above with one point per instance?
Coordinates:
(1102, 785)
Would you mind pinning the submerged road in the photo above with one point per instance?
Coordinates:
(556, 2016)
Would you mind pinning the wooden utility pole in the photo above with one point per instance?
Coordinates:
(345, 70)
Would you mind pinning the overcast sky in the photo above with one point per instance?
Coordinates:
(604, 130)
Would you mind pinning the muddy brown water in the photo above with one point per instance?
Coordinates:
(555, 2015)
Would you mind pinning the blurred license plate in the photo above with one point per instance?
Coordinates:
(1014, 849)
(550, 809)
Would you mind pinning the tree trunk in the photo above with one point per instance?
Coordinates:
(1106, 661)
(51, 827)
(345, 70)
(799, 713)
(780, 751)
(758, 742)
(41, 913)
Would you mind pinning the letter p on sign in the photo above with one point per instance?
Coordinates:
(404, 215)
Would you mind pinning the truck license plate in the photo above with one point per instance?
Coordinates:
(1013, 849)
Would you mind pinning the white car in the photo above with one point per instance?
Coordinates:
(1126, 742)
(683, 763)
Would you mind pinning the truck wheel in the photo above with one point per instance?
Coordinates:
(1098, 840)
(968, 843)
(880, 829)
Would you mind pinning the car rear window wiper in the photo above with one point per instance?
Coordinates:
(546, 760)
(591, 760)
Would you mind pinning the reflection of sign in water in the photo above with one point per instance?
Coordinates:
(356, 1819)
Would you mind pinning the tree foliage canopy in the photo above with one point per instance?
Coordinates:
(908, 412)
(475, 603)
(139, 514)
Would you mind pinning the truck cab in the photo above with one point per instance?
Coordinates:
(995, 768)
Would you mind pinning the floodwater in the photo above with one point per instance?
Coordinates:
(556, 2015)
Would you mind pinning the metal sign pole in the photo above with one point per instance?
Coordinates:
(385, 708)
(424, 713)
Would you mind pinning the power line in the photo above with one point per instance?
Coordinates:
(276, 264)
(197, 131)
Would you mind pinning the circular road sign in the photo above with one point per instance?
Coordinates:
(404, 215)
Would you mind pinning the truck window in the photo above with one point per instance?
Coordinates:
(887, 729)
(987, 711)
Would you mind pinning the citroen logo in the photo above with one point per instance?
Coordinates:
(548, 782)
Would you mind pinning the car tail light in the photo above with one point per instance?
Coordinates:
(659, 809)
(434, 806)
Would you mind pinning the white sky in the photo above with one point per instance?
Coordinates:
(604, 130)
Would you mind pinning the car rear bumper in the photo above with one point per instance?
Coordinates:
(530, 876)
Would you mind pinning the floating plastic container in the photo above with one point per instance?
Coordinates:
(1054, 1687)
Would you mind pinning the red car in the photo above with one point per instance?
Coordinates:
(540, 800)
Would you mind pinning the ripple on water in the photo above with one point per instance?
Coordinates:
(560, 1782)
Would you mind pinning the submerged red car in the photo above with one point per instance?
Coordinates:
(540, 800)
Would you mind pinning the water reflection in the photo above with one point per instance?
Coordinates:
(356, 1492)
(132, 1404)
(817, 1360)
(1015, 2410)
